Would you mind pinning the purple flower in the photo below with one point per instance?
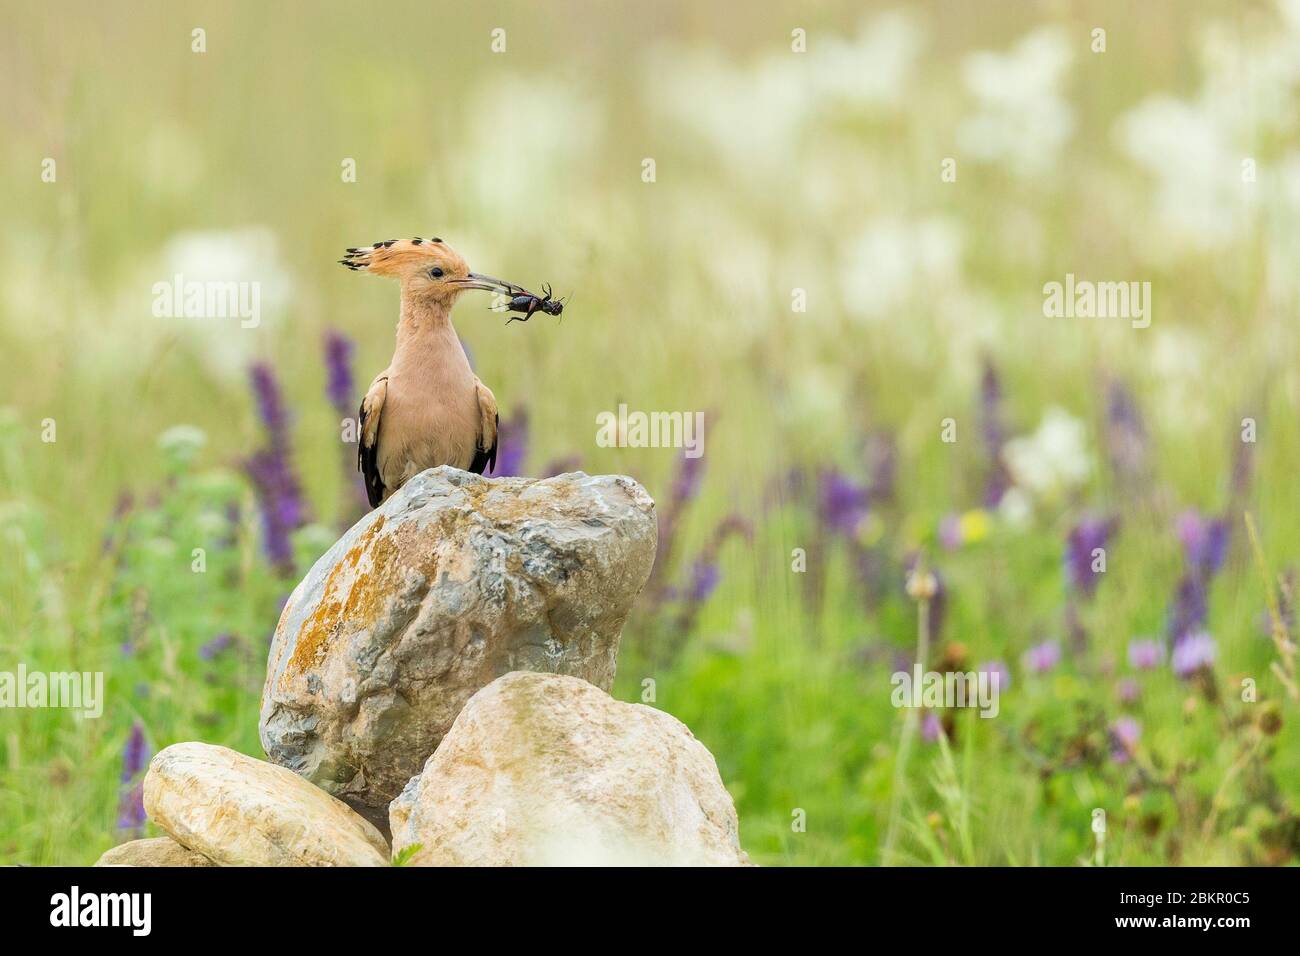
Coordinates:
(1205, 545)
(1205, 542)
(705, 576)
(512, 445)
(706, 572)
(270, 404)
(1189, 610)
(279, 495)
(280, 504)
(882, 465)
(1193, 653)
(842, 502)
(1085, 538)
(339, 389)
(217, 646)
(1124, 734)
(1128, 690)
(998, 480)
(931, 727)
(938, 604)
(792, 486)
(135, 755)
(950, 532)
(130, 809)
(1144, 655)
(122, 508)
(1126, 436)
(1041, 658)
(338, 371)
(999, 674)
(686, 485)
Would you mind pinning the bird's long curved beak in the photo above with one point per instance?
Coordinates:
(477, 280)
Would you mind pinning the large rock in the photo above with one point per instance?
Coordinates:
(238, 811)
(540, 769)
(155, 851)
(451, 583)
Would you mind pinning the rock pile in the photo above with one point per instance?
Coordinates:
(441, 673)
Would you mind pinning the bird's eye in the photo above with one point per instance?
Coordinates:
(435, 273)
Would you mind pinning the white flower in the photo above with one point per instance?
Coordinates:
(248, 256)
(748, 116)
(893, 260)
(753, 115)
(1022, 120)
(1280, 216)
(251, 254)
(211, 523)
(1199, 200)
(1195, 148)
(504, 174)
(1178, 356)
(1015, 508)
(1052, 459)
(813, 405)
(181, 443)
(1178, 359)
(875, 68)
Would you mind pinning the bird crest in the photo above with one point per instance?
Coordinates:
(394, 257)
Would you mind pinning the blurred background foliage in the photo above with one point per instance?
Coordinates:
(775, 171)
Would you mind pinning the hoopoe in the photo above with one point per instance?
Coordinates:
(428, 408)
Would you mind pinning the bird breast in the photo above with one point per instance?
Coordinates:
(431, 414)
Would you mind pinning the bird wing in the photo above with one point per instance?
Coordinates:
(485, 456)
(368, 444)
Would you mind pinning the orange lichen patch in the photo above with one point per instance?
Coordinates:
(374, 569)
(324, 621)
(511, 508)
(371, 572)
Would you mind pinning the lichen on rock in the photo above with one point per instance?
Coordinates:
(451, 583)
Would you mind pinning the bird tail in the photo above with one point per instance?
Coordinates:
(390, 257)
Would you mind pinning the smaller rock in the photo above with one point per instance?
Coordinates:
(238, 811)
(156, 851)
(546, 769)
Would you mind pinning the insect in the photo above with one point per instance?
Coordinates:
(527, 303)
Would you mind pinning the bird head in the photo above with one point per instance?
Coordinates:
(428, 269)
